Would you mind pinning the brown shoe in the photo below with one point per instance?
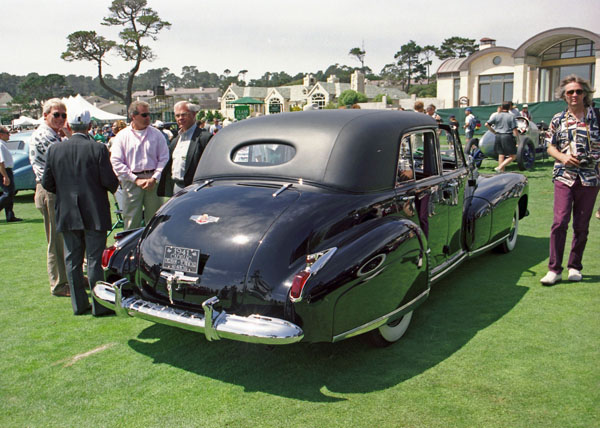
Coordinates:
(62, 291)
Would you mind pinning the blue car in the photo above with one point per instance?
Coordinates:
(18, 145)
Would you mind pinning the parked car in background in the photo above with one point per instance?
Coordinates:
(530, 145)
(313, 226)
(18, 145)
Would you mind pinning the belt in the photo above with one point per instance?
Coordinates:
(147, 171)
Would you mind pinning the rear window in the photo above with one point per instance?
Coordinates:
(263, 154)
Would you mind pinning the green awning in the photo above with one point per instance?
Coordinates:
(246, 100)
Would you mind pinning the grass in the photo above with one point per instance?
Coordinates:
(490, 348)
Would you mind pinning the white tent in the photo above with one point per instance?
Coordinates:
(25, 121)
(78, 103)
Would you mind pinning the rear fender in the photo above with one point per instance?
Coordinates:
(121, 264)
(367, 277)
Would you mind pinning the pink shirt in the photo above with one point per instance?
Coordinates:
(136, 151)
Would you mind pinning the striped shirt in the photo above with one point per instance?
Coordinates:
(580, 138)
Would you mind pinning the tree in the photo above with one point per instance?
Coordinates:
(456, 47)
(350, 97)
(409, 65)
(138, 22)
(36, 88)
(427, 53)
(359, 54)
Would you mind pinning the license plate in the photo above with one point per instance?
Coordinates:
(181, 259)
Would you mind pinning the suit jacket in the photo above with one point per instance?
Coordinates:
(198, 143)
(80, 173)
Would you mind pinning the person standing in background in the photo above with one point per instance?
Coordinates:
(50, 132)
(7, 184)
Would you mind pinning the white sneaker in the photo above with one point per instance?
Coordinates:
(551, 278)
(574, 275)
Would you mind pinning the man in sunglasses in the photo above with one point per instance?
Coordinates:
(138, 155)
(50, 132)
(573, 140)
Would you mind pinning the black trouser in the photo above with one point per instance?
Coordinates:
(76, 243)
(8, 193)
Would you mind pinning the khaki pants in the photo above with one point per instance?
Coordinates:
(57, 274)
(138, 204)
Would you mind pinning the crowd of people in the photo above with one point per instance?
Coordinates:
(75, 174)
(74, 179)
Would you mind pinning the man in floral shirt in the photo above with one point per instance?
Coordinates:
(573, 140)
(48, 133)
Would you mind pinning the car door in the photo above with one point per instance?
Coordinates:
(420, 183)
(454, 172)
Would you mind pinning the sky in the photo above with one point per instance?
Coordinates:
(277, 35)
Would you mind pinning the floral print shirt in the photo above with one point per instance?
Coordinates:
(41, 140)
(581, 138)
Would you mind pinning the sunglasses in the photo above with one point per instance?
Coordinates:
(57, 115)
(135, 113)
(575, 91)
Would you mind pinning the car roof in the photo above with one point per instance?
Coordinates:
(354, 150)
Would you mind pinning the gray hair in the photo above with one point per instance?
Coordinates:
(52, 103)
(191, 107)
(80, 127)
(585, 85)
(133, 107)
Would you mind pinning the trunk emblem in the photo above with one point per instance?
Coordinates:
(204, 218)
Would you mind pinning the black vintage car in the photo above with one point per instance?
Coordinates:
(314, 226)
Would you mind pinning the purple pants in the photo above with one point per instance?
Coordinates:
(579, 199)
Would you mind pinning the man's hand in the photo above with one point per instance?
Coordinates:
(569, 160)
(6, 180)
(145, 183)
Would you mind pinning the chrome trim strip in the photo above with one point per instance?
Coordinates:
(448, 266)
(214, 324)
(206, 183)
(378, 322)
(488, 246)
(282, 189)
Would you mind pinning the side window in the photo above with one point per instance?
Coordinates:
(450, 152)
(405, 162)
(418, 157)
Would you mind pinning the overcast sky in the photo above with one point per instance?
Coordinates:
(277, 35)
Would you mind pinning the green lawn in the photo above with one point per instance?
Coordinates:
(490, 348)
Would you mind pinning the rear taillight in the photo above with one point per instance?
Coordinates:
(298, 284)
(107, 254)
(314, 263)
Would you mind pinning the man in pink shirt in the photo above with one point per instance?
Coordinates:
(138, 155)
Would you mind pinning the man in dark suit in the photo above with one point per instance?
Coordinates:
(185, 150)
(79, 172)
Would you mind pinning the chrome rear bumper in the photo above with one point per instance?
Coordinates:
(215, 325)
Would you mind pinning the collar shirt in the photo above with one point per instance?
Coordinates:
(5, 156)
(136, 151)
(41, 140)
(180, 153)
(580, 138)
(503, 122)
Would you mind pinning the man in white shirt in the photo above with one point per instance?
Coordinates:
(7, 184)
(186, 150)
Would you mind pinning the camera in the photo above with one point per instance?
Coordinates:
(585, 161)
